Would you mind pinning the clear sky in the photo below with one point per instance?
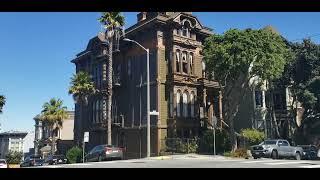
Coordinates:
(36, 50)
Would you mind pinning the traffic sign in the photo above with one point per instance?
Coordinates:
(86, 137)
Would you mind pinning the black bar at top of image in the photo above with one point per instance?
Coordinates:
(160, 5)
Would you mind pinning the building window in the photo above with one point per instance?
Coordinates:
(191, 62)
(178, 61)
(186, 29)
(97, 112)
(192, 104)
(171, 104)
(184, 62)
(258, 96)
(178, 103)
(93, 111)
(129, 68)
(185, 104)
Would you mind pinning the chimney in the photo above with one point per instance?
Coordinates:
(141, 16)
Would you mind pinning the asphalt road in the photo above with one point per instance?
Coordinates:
(196, 161)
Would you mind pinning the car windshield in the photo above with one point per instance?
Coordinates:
(2, 161)
(268, 142)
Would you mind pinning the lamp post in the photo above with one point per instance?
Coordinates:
(148, 94)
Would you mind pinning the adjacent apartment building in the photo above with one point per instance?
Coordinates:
(179, 89)
(11, 141)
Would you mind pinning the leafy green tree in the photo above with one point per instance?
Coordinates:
(53, 114)
(302, 75)
(239, 55)
(2, 102)
(113, 23)
(81, 88)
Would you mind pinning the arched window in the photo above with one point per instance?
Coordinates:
(178, 61)
(192, 104)
(185, 104)
(191, 62)
(186, 29)
(184, 62)
(178, 103)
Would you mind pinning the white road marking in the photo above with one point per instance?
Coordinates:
(311, 166)
(286, 162)
(259, 161)
(78, 164)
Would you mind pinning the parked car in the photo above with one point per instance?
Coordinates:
(33, 160)
(310, 152)
(104, 152)
(3, 163)
(277, 148)
(56, 159)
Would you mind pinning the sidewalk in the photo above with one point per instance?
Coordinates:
(189, 156)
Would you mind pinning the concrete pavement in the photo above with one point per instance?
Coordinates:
(195, 161)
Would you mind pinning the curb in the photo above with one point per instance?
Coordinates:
(162, 158)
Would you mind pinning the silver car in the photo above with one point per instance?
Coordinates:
(3, 163)
(104, 152)
(277, 148)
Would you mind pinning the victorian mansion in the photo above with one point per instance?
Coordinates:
(179, 89)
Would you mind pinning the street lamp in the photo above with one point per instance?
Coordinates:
(148, 94)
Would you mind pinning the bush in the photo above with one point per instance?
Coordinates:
(74, 155)
(240, 153)
(222, 142)
(14, 157)
(253, 136)
(181, 145)
(227, 154)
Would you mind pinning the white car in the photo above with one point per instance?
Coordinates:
(3, 163)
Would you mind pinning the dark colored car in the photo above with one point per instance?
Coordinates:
(56, 159)
(33, 160)
(104, 152)
(310, 152)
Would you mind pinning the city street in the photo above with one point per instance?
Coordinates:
(195, 161)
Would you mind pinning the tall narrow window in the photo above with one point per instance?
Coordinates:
(129, 68)
(178, 104)
(93, 111)
(185, 104)
(97, 111)
(184, 62)
(191, 62)
(192, 104)
(258, 96)
(171, 104)
(178, 61)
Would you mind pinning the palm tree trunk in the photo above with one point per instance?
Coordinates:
(109, 89)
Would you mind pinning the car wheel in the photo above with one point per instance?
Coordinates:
(298, 156)
(255, 157)
(274, 154)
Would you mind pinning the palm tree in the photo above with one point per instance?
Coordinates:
(53, 114)
(113, 23)
(2, 102)
(81, 87)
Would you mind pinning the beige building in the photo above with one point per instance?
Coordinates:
(64, 135)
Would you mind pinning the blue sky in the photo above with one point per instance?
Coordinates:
(36, 50)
